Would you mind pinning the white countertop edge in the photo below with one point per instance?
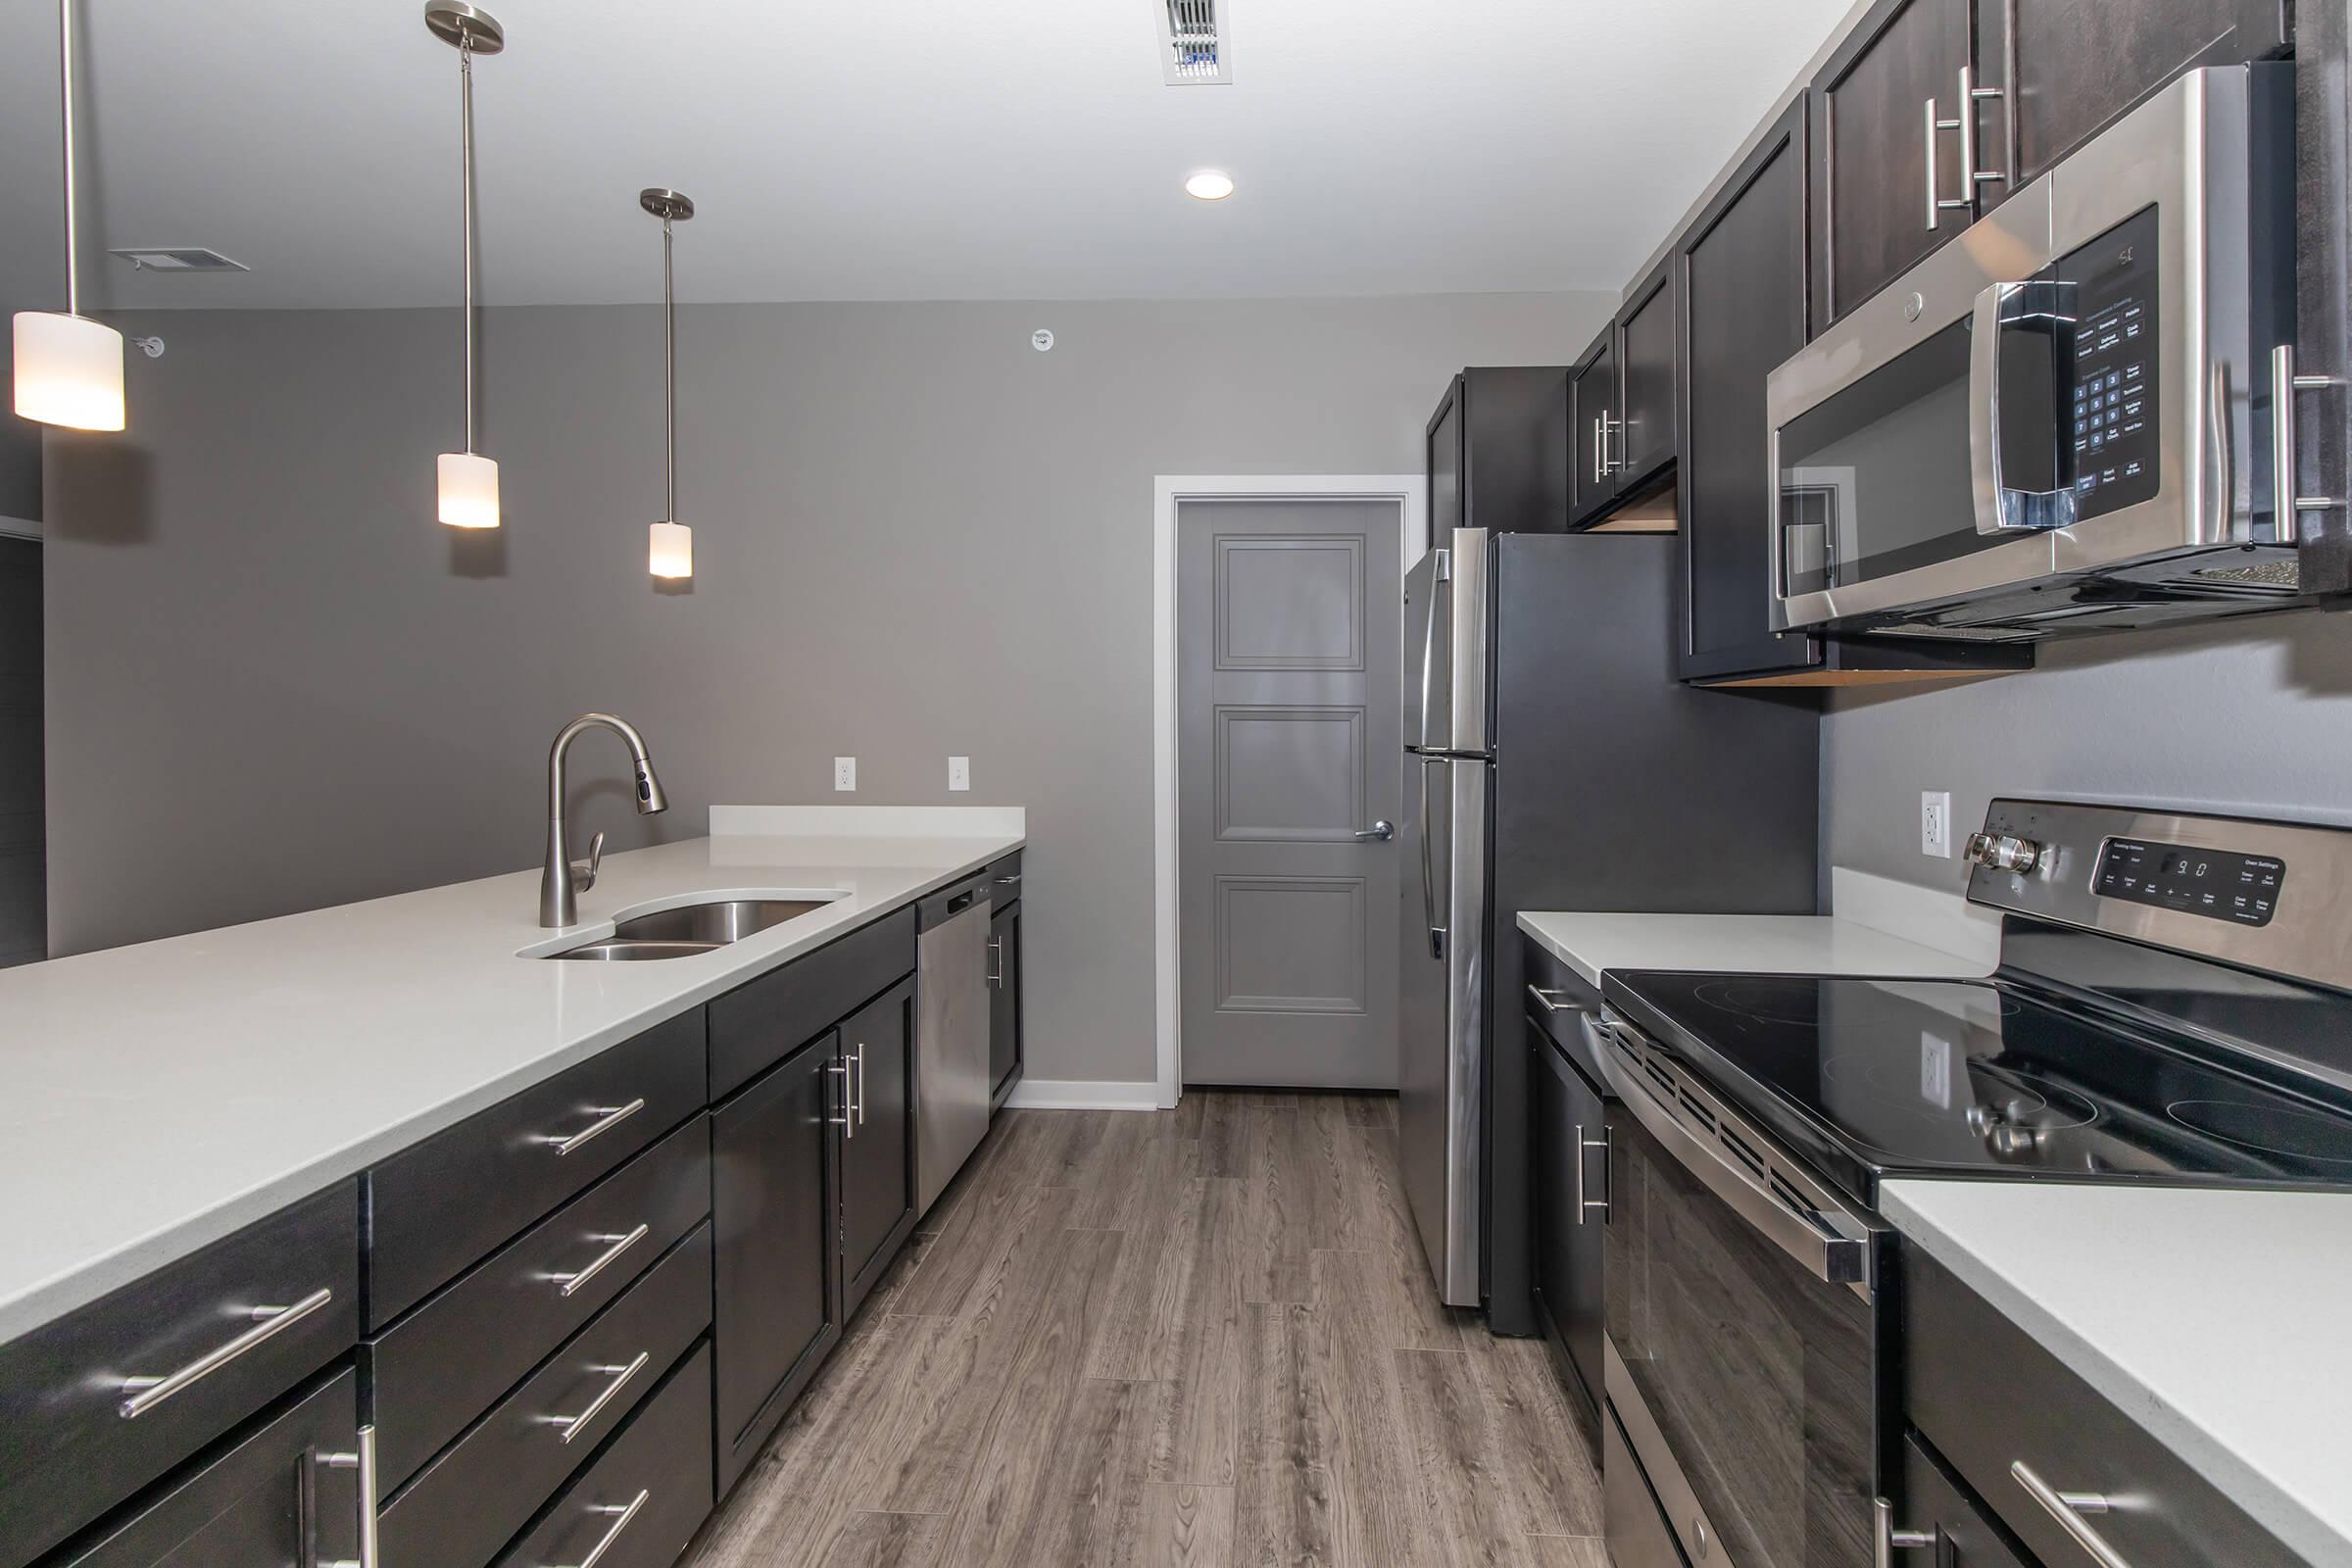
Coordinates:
(869, 822)
(67, 1291)
(1592, 944)
(2275, 1507)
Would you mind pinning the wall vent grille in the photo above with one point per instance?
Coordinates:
(179, 259)
(1192, 46)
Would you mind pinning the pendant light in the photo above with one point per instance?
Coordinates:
(671, 550)
(68, 367)
(468, 480)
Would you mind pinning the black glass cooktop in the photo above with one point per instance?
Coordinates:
(1878, 1078)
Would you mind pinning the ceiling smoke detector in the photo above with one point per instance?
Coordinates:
(1192, 46)
(179, 259)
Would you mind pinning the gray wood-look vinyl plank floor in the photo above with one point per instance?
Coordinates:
(1200, 1338)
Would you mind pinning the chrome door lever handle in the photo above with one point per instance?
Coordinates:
(1383, 830)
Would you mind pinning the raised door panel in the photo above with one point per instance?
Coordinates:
(1645, 440)
(2079, 63)
(1593, 426)
(1291, 774)
(775, 1229)
(1290, 604)
(1874, 148)
(877, 1146)
(1742, 271)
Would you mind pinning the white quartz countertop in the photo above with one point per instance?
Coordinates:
(155, 1098)
(2215, 1319)
(1748, 944)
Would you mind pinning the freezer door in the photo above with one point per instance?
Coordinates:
(1442, 972)
(1470, 630)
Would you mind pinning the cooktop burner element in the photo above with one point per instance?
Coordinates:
(2268, 1130)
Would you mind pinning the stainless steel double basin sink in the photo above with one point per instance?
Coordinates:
(683, 932)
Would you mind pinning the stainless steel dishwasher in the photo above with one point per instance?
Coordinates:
(951, 1049)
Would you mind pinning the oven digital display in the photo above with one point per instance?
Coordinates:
(2216, 883)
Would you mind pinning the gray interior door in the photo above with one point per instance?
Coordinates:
(1286, 750)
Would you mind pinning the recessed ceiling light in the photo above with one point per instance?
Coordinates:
(1209, 185)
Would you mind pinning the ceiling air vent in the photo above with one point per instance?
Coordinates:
(179, 259)
(1193, 47)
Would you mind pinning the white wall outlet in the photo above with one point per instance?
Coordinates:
(1935, 823)
(960, 772)
(845, 772)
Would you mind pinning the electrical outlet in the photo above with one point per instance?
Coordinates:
(960, 772)
(1935, 823)
(845, 772)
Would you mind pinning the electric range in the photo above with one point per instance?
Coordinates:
(2173, 1006)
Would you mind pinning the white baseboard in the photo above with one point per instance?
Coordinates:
(870, 822)
(1045, 1094)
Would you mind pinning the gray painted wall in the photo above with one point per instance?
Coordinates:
(275, 683)
(2254, 718)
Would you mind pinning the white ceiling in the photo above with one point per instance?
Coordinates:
(890, 149)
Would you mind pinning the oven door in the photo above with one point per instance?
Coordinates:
(1739, 1348)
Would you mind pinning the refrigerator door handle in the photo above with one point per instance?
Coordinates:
(1429, 646)
(1429, 886)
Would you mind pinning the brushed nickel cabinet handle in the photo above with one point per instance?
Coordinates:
(996, 962)
(622, 1513)
(845, 1121)
(1583, 1146)
(2287, 506)
(569, 1427)
(857, 1083)
(1938, 203)
(269, 1322)
(364, 1461)
(2068, 1509)
(607, 1117)
(1886, 1541)
(571, 1283)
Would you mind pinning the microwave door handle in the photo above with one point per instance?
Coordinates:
(1984, 409)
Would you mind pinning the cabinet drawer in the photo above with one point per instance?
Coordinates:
(72, 1444)
(470, 1500)
(759, 1024)
(437, 1206)
(645, 1495)
(1987, 1396)
(271, 1499)
(1004, 879)
(443, 1365)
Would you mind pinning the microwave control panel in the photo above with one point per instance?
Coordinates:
(2215, 883)
(2112, 419)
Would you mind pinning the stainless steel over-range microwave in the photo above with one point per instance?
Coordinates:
(2064, 419)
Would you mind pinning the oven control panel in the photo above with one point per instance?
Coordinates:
(2112, 419)
(2216, 883)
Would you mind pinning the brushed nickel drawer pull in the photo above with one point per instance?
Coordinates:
(573, 1425)
(2068, 1508)
(268, 1323)
(622, 1514)
(607, 1117)
(364, 1462)
(620, 1243)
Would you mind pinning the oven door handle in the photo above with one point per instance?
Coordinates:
(1832, 1259)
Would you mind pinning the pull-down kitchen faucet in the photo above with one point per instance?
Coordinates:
(563, 879)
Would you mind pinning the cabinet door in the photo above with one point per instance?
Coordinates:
(1741, 268)
(2078, 64)
(1934, 1502)
(1446, 500)
(1569, 1140)
(1645, 379)
(1004, 996)
(877, 1143)
(1592, 410)
(1874, 148)
(289, 1494)
(774, 1215)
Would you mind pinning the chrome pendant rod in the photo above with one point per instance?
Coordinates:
(669, 380)
(65, 65)
(465, 187)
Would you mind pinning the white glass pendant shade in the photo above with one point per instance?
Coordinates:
(69, 371)
(468, 490)
(672, 550)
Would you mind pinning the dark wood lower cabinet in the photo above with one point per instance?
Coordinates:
(1568, 1148)
(1935, 1503)
(288, 1493)
(877, 1144)
(1004, 998)
(776, 1308)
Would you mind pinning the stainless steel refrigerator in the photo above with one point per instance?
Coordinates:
(1554, 761)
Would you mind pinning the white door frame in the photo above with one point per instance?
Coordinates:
(1410, 491)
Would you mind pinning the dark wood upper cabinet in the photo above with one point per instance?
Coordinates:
(1740, 268)
(2079, 63)
(1594, 409)
(1646, 441)
(1497, 450)
(1874, 148)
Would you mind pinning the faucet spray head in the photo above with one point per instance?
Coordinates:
(650, 797)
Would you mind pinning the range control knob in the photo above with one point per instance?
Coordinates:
(2003, 852)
